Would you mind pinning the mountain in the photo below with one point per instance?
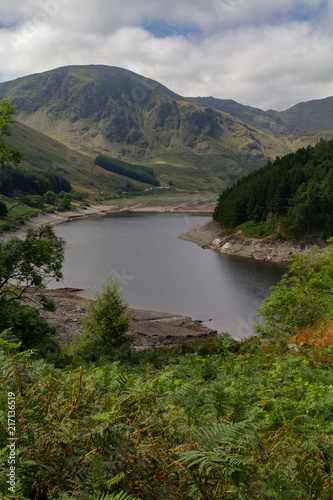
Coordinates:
(266, 121)
(302, 120)
(197, 143)
(310, 117)
(101, 109)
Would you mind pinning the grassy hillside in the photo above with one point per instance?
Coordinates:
(198, 144)
(100, 109)
(41, 153)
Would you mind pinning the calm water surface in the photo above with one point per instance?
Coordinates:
(160, 272)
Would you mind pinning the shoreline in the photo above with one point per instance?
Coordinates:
(94, 211)
(57, 218)
(149, 328)
(211, 236)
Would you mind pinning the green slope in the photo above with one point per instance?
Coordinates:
(200, 144)
(312, 117)
(300, 121)
(41, 153)
(100, 109)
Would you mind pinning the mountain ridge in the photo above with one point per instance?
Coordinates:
(97, 109)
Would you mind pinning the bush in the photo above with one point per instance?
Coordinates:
(302, 298)
(50, 197)
(105, 324)
(79, 195)
(34, 201)
(25, 323)
(65, 203)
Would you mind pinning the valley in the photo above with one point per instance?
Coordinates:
(68, 116)
(166, 250)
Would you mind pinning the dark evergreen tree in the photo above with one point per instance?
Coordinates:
(3, 209)
(297, 189)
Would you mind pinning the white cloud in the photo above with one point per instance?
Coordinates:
(105, 16)
(241, 56)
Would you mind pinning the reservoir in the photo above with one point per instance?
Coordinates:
(159, 272)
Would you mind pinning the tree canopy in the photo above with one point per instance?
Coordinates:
(137, 172)
(296, 189)
(7, 153)
(30, 262)
(27, 265)
(19, 178)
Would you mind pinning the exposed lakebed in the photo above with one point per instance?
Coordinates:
(158, 271)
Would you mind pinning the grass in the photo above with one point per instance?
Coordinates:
(262, 229)
(17, 213)
(158, 198)
(19, 210)
(187, 171)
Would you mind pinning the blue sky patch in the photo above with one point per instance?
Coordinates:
(160, 29)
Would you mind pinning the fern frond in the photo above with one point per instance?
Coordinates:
(114, 496)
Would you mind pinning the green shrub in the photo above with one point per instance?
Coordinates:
(35, 201)
(79, 195)
(105, 324)
(25, 323)
(65, 203)
(302, 298)
(50, 197)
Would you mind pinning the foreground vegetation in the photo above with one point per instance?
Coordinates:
(291, 197)
(220, 419)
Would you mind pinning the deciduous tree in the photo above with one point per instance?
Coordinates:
(7, 153)
(30, 262)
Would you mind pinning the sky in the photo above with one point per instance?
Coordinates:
(270, 54)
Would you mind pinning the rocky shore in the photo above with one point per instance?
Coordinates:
(149, 328)
(210, 235)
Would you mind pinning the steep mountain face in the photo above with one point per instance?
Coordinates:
(101, 109)
(267, 121)
(303, 119)
(310, 117)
